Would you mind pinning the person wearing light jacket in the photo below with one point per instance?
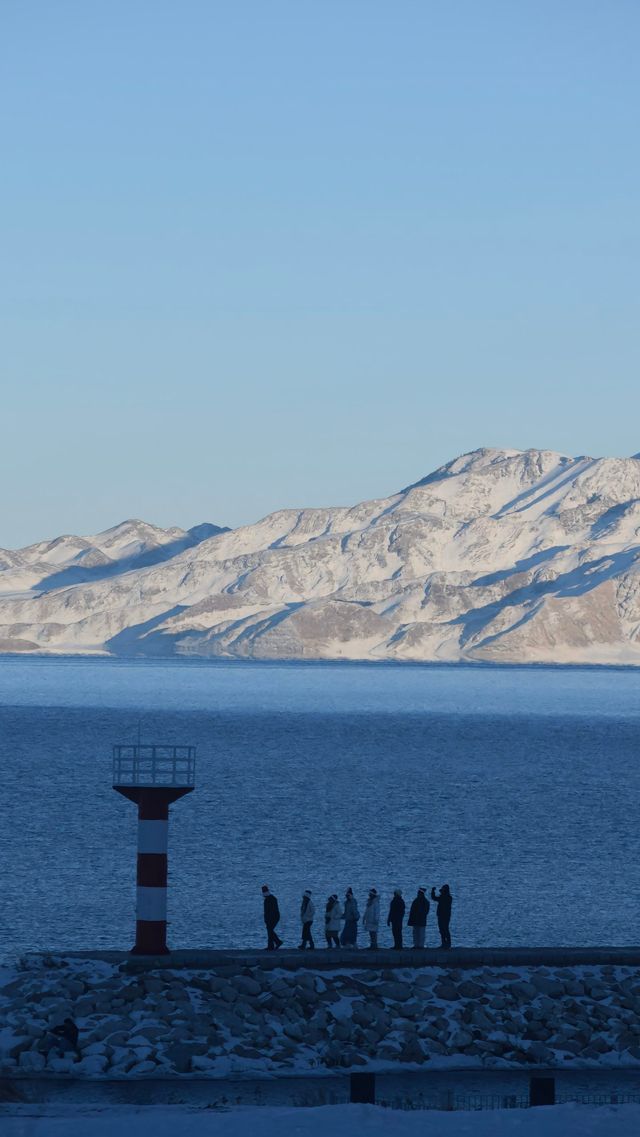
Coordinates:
(332, 917)
(350, 915)
(371, 918)
(307, 912)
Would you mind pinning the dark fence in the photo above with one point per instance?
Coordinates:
(542, 1091)
(498, 1101)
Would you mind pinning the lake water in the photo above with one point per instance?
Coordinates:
(518, 786)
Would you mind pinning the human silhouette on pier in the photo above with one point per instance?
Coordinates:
(418, 917)
(271, 919)
(332, 918)
(350, 915)
(397, 909)
(371, 918)
(307, 912)
(444, 900)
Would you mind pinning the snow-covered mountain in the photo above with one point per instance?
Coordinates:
(503, 555)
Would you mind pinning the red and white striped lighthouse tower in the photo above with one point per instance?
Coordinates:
(153, 777)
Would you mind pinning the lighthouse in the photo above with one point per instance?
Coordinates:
(153, 777)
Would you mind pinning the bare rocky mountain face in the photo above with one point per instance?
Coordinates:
(501, 555)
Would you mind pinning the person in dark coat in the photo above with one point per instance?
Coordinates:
(68, 1033)
(418, 917)
(444, 900)
(350, 915)
(395, 917)
(271, 919)
(307, 912)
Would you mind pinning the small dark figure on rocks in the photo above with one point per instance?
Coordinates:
(271, 919)
(396, 916)
(444, 900)
(371, 918)
(307, 912)
(332, 918)
(68, 1034)
(350, 915)
(418, 917)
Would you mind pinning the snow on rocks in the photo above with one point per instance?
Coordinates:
(185, 1022)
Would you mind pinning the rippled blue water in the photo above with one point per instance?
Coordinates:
(519, 786)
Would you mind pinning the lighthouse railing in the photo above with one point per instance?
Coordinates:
(154, 765)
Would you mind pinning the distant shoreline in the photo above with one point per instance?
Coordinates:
(233, 661)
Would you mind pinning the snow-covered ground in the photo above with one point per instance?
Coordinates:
(339, 1121)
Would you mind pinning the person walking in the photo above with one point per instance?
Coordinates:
(418, 917)
(444, 900)
(371, 918)
(350, 915)
(397, 909)
(332, 917)
(271, 919)
(307, 912)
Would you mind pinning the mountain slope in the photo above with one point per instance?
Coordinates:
(500, 555)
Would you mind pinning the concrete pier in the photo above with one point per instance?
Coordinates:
(364, 959)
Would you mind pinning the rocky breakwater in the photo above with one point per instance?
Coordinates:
(178, 1023)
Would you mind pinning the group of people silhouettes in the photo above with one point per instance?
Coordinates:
(341, 920)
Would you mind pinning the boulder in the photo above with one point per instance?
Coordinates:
(20, 1044)
(524, 991)
(411, 1051)
(447, 992)
(626, 1039)
(468, 989)
(180, 1054)
(246, 1051)
(342, 1030)
(540, 1053)
(60, 1065)
(31, 1061)
(74, 987)
(153, 985)
(94, 1048)
(147, 1067)
(202, 1062)
(546, 985)
(396, 992)
(295, 1031)
(217, 983)
(246, 985)
(92, 1064)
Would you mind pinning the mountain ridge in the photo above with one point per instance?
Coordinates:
(497, 556)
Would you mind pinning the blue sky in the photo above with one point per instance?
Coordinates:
(258, 255)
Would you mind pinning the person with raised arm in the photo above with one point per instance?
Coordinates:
(444, 900)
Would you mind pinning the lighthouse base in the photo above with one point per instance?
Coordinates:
(151, 938)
